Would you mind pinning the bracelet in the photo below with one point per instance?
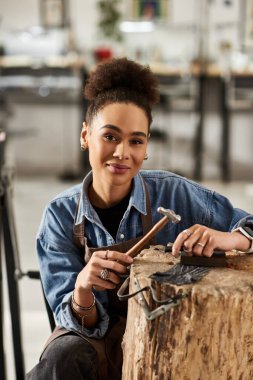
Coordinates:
(82, 317)
(83, 308)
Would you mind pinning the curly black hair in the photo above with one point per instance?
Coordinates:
(121, 80)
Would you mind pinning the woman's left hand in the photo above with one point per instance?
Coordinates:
(202, 241)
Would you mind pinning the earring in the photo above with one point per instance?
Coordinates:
(83, 147)
(146, 157)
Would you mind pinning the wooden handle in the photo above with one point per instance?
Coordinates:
(138, 246)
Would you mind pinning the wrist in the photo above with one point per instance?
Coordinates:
(82, 286)
(247, 233)
(83, 301)
(86, 316)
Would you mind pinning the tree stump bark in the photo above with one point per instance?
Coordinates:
(208, 336)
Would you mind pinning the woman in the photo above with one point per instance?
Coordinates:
(86, 230)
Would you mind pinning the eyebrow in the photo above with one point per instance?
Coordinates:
(117, 129)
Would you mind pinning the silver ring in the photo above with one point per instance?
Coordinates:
(105, 274)
(187, 232)
(106, 254)
(201, 245)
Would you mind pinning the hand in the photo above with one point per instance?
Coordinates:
(202, 241)
(111, 263)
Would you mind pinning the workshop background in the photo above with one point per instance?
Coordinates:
(202, 54)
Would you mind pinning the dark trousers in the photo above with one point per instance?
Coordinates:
(67, 357)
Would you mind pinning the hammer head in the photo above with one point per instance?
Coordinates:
(170, 214)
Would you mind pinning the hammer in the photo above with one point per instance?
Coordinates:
(169, 215)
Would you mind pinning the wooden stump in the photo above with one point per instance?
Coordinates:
(208, 336)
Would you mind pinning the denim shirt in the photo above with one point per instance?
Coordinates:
(60, 260)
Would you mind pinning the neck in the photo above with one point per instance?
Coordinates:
(107, 197)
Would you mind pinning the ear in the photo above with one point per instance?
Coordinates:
(83, 136)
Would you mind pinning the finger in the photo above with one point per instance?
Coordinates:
(101, 285)
(114, 256)
(199, 248)
(180, 241)
(113, 266)
(203, 246)
(176, 247)
(209, 248)
(105, 279)
(208, 251)
(94, 281)
(190, 244)
(107, 275)
(120, 257)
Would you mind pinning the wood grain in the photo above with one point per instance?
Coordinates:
(209, 336)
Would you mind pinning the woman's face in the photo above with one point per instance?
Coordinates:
(117, 142)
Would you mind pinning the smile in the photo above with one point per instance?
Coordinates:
(118, 168)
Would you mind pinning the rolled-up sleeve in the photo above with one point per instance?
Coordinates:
(60, 261)
(224, 216)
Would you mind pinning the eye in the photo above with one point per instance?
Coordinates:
(110, 137)
(137, 141)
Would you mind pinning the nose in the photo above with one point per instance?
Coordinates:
(121, 151)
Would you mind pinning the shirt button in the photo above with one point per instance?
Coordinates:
(122, 236)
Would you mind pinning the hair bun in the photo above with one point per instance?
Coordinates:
(122, 73)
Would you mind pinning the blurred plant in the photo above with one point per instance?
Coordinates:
(109, 19)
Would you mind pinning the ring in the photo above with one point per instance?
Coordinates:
(106, 254)
(201, 245)
(105, 274)
(187, 232)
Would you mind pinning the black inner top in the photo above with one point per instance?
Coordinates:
(111, 217)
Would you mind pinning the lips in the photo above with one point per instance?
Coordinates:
(118, 168)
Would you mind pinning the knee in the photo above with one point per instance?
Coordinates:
(68, 356)
(71, 348)
(68, 346)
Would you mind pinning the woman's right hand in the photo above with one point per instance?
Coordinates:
(100, 273)
(107, 264)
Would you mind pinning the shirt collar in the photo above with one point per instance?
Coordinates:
(137, 199)
(138, 196)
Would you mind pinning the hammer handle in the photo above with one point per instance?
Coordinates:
(138, 246)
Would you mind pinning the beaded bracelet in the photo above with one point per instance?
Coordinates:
(83, 308)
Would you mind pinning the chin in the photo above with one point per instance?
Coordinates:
(120, 180)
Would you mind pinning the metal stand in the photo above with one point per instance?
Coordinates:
(9, 256)
(14, 274)
(198, 142)
(225, 138)
(8, 251)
